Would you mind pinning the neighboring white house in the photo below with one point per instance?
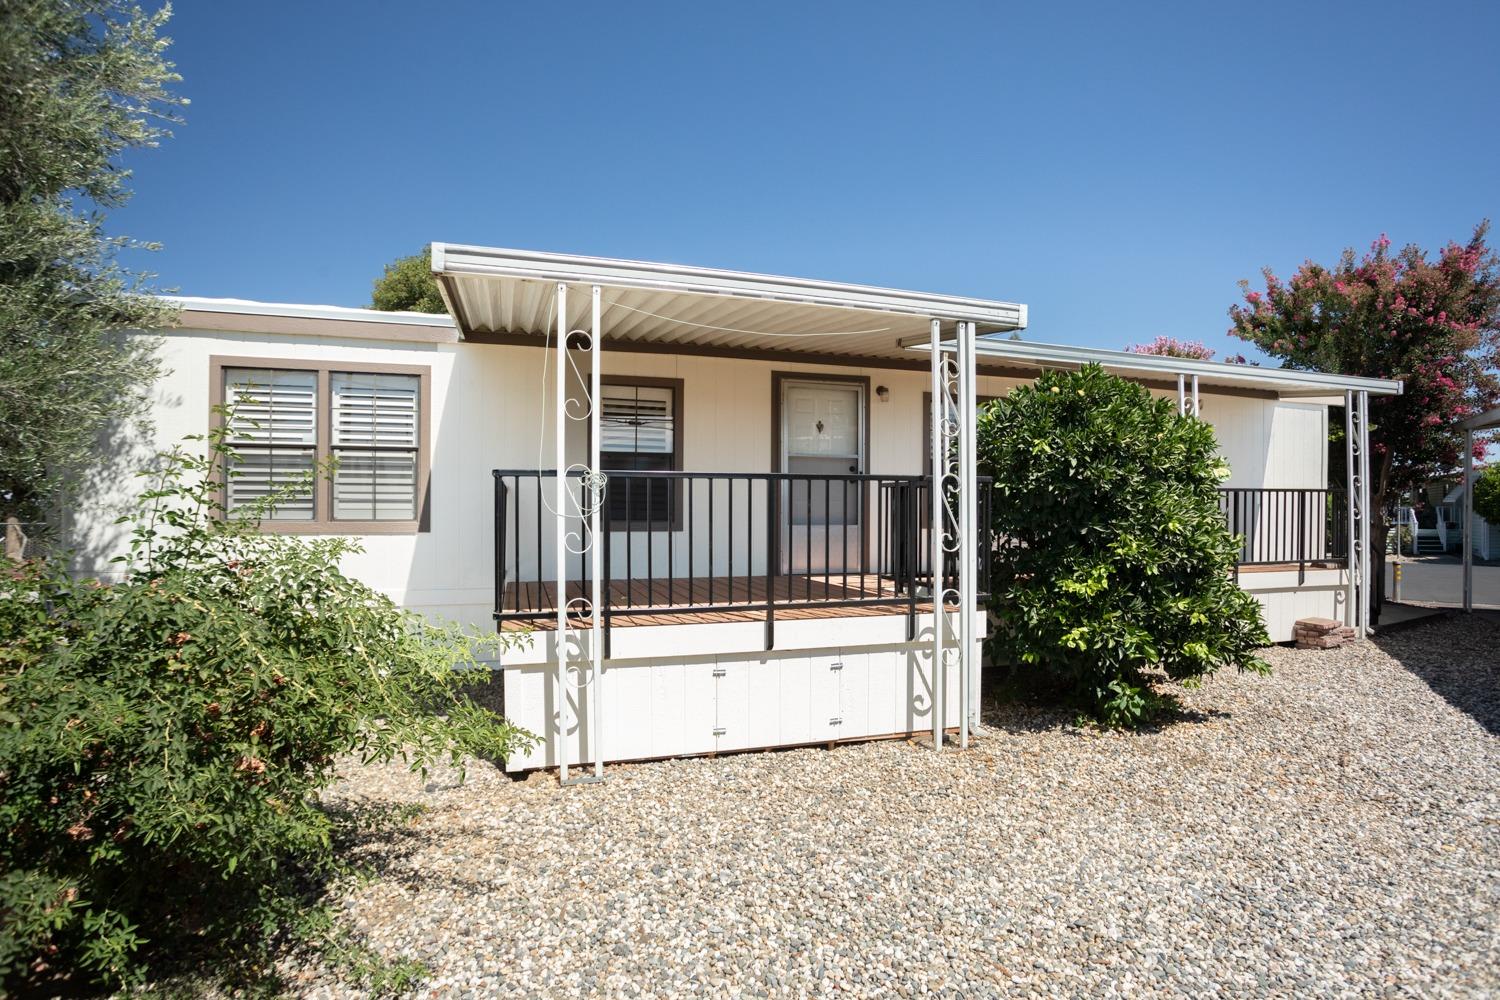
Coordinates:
(747, 542)
(1486, 535)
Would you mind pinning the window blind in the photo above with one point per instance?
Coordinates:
(636, 419)
(376, 423)
(273, 436)
(637, 432)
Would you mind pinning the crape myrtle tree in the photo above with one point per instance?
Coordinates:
(1171, 347)
(81, 82)
(1115, 572)
(1433, 322)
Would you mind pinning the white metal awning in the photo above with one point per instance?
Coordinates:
(508, 295)
(1483, 421)
(1286, 382)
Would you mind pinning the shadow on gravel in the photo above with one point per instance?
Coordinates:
(1459, 658)
(375, 836)
(1021, 716)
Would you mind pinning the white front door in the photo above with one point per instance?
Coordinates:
(822, 435)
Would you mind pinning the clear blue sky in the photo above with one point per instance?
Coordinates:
(1117, 166)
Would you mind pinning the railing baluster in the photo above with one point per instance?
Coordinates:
(712, 569)
(671, 541)
(807, 549)
(629, 543)
(729, 540)
(500, 546)
(827, 534)
(773, 558)
(692, 549)
(541, 595)
(608, 584)
(650, 546)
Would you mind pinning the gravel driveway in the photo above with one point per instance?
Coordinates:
(1332, 830)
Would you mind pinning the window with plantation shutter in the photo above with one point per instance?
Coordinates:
(323, 447)
(639, 432)
(273, 438)
(375, 423)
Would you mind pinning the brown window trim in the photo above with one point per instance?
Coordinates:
(655, 382)
(323, 522)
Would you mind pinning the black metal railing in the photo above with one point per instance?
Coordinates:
(1288, 526)
(712, 542)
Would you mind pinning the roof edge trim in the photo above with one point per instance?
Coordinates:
(1065, 354)
(460, 261)
(247, 307)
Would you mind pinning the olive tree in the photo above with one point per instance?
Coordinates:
(83, 81)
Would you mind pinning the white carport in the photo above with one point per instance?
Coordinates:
(576, 306)
(1472, 426)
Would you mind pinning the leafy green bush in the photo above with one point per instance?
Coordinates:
(1487, 494)
(163, 738)
(1118, 569)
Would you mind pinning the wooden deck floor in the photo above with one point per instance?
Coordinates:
(795, 597)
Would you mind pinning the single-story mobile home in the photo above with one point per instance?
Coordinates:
(706, 496)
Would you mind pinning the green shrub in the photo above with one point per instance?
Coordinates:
(1487, 494)
(163, 738)
(1118, 571)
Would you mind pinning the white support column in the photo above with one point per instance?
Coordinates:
(1367, 516)
(593, 490)
(967, 530)
(1468, 525)
(1181, 395)
(560, 527)
(939, 447)
(1351, 487)
(1197, 407)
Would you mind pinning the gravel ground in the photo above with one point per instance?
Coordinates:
(1333, 830)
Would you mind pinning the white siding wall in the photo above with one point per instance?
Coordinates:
(488, 411)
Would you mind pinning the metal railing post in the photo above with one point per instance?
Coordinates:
(500, 504)
(773, 556)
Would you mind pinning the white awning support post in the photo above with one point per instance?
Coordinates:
(1181, 395)
(560, 527)
(592, 489)
(936, 504)
(1197, 406)
(577, 516)
(1367, 516)
(968, 530)
(1469, 521)
(1351, 485)
(1357, 453)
